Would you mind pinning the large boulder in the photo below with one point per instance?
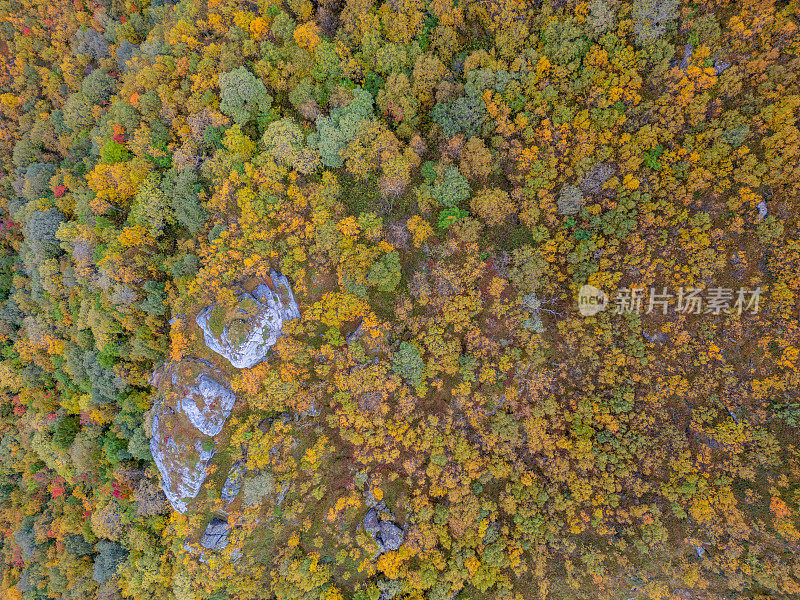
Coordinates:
(391, 536)
(197, 389)
(193, 404)
(207, 405)
(182, 464)
(245, 333)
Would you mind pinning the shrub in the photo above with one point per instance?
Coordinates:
(139, 445)
(463, 115)
(37, 180)
(570, 200)
(114, 152)
(25, 537)
(650, 18)
(153, 304)
(385, 274)
(109, 556)
(449, 216)
(65, 432)
(115, 448)
(283, 139)
(334, 132)
(736, 136)
(77, 545)
(564, 43)
(97, 87)
(493, 205)
(256, 488)
(407, 362)
(40, 233)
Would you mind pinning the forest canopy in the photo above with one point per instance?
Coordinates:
(424, 192)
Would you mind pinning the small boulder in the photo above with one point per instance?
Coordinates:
(763, 211)
(687, 56)
(215, 536)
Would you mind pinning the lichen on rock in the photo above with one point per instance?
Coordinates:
(380, 523)
(215, 536)
(208, 405)
(183, 470)
(245, 334)
(193, 403)
(233, 484)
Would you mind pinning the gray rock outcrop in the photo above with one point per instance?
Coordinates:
(371, 522)
(380, 524)
(182, 473)
(720, 66)
(215, 536)
(391, 535)
(263, 323)
(233, 484)
(208, 405)
(192, 402)
(687, 56)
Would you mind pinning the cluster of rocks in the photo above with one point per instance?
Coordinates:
(215, 536)
(194, 398)
(380, 523)
(720, 66)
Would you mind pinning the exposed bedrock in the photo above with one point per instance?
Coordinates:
(245, 334)
(193, 405)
